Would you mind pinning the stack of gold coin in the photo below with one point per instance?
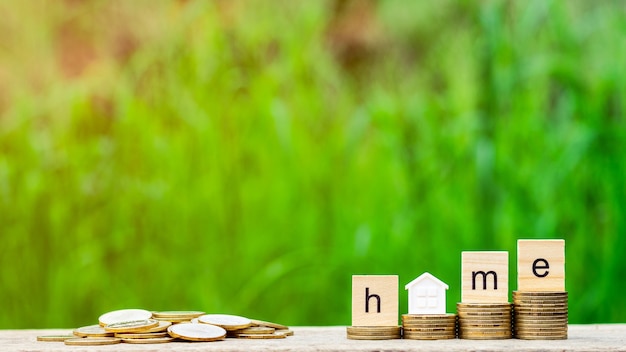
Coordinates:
(484, 321)
(540, 315)
(429, 326)
(374, 332)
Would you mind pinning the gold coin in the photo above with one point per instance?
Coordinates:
(517, 298)
(268, 324)
(151, 335)
(500, 337)
(132, 326)
(428, 326)
(481, 309)
(261, 336)
(197, 332)
(255, 330)
(484, 326)
(174, 320)
(484, 305)
(373, 330)
(55, 338)
(543, 333)
(149, 341)
(92, 331)
(374, 333)
(534, 337)
(541, 323)
(540, 293)
(92, 341)
(285, 332)
(163, 325)
(430, 333)
(178, 314)
(433, 321)
(543, 314)
(485, 317)
(542, 305)
(540, 309)
(428, 316)
(226, 321)
(430, 337)
(426, 330)
(366, 337)
(484, 322)
(485, 331)
(119, 316)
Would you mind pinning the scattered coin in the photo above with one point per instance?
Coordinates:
(226, 321)
(113, 329)
(262, 336)
(187, 314)
(163, 325)
(123, 315)
(132, 326)
(285, 332)
(151, 335)
(149, 341)
(55, 338)
(256, 330)
(197, 332)
(92, 341)
(92, 331)
(269, 324)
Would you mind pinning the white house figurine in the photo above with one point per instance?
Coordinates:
(427, 295)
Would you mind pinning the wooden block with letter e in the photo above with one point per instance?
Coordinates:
(485, 277)
(541, 265)
(375, 300)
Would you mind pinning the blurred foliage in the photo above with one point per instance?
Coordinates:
(248, 157)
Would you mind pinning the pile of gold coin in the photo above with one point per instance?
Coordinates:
(429, 326)
(140, 326)
(540, 315)
(374, 332)
(484, 321)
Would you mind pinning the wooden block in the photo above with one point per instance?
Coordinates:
(541, 265)
(375, 300)
(485, 277)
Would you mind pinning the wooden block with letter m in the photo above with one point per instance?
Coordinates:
(485, 277)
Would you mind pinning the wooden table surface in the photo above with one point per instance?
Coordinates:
(606, 337)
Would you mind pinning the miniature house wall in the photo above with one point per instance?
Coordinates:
(427, 295)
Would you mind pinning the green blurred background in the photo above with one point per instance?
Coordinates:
(248, 157)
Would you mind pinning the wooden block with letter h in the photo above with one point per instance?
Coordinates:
(485, 277)
(375, 300)
(541, 265)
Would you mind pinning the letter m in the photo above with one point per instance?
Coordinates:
(476, 273)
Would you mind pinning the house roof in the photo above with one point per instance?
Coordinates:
(424, 276)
